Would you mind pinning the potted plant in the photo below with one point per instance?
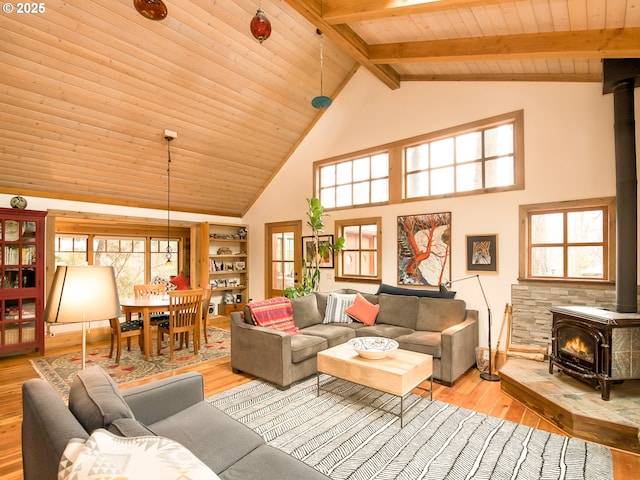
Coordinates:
(311, 269)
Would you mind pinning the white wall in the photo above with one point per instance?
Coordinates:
(569, 154)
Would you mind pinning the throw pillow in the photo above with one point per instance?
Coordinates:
(413, 292)
(104, 455)
(275, 313)
(95, 400)
(362, 310)
(169, 287)
(336, 304)
(180, 282)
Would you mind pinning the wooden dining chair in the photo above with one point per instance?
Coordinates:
(185, 307)
(152, 290)
(127, 329)
(206, 299)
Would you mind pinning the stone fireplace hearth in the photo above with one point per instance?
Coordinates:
(575, 407)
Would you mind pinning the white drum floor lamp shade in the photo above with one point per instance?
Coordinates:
(80, 295)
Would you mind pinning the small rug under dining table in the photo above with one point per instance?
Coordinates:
(60, 370)
(347, 432)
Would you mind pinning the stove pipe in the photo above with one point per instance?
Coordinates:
(620, 76)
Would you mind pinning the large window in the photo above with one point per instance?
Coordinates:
(568, 241)
(470, 162)
(128, 257)
(360, 258)
(359, 181)
(480, 157)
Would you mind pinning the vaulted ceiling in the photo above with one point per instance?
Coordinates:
(88, 87)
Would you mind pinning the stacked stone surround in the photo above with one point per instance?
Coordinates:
(531, 319)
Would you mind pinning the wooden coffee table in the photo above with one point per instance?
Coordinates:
(398, 373)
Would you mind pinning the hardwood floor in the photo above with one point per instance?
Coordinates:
(469, 392)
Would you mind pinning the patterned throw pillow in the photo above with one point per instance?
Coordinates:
(104, 455)
(275, 313)
(168, 285)
(336, 304)
(363, 311)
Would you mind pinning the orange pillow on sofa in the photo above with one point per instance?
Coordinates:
(362, 310)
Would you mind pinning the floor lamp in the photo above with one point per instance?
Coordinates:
(81, 294)
(489, 375)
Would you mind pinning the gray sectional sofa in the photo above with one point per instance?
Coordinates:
(441, 327)
(173, 408)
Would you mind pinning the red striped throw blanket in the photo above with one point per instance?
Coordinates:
(275, 313)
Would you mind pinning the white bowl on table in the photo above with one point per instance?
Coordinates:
(373, 348)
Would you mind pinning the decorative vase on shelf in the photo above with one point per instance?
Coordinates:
(18, 202)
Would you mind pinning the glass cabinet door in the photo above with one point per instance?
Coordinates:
(19, 254)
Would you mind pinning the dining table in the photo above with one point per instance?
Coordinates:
(145, 306)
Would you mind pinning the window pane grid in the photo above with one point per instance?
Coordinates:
(359, 257)
(484, 158)
(360, 181)
(568, 244)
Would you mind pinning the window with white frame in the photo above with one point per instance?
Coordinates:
(568, 241)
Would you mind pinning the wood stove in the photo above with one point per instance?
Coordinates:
(596, 345)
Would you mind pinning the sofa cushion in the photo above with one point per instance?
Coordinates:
(275, 313)
(422, 342)
(413, 292)
(305, 311)
(334, 333)
(398, 310)
(306, 346)
(438, 314)
(336, 305)
(94, 399)
(383, 330)
(210, 434)
(362, 310)
(128, 427)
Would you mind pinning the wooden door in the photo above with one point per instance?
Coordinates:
(283, 256)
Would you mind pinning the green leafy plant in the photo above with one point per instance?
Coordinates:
(311, 269)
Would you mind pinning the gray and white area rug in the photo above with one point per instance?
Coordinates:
(347, 434)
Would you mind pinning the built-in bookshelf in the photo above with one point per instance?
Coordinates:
(225, 265)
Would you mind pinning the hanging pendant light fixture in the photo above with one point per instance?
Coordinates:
(151, 9)
(260, 25)
(321, 101)
(168, 137)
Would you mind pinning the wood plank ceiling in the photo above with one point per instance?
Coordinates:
(88, 87)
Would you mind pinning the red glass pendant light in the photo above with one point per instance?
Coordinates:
(151, 9)
(260, 26)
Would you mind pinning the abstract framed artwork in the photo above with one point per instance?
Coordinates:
(482, 253)
(424, 249)
(309, 250)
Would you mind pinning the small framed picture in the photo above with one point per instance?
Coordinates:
(482, 253)
(238, 266)
(309, 251)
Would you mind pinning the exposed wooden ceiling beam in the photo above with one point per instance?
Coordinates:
(506, 77)
(346, 39)
(613, 43)
(347, 11)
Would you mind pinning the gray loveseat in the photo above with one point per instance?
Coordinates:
(440, 327)
(173, 407)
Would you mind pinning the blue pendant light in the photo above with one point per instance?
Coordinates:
(321, 101)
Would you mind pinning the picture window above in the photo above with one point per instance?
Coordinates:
(485, 156)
